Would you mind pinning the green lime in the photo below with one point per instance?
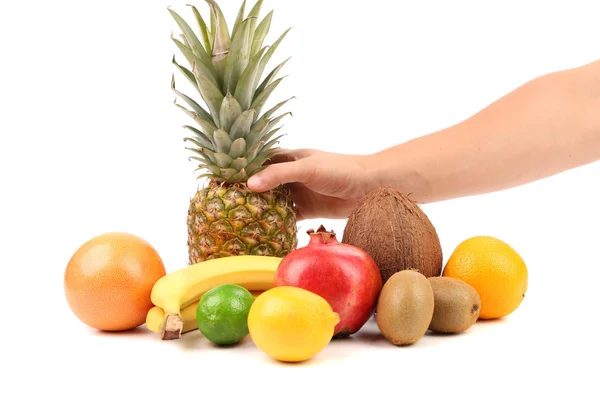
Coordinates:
(222, 314)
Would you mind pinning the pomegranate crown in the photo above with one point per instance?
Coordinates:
(323, 233)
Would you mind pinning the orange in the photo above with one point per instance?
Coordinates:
(494, 269)
(109, 279)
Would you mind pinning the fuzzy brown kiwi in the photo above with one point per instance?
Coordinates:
(395, 232)
(405, 307)
(457, 305)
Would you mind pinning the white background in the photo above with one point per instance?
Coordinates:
(91, 142)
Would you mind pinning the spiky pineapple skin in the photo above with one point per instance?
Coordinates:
(227, 220)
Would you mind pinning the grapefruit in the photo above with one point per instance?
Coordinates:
(109, 279)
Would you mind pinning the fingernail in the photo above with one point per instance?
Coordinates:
(255, 182)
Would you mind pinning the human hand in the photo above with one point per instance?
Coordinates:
(322, 185)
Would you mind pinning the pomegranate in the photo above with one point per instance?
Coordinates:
(344, 275)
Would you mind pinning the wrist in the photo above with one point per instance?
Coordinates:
(377, 171)
(391, 168)
(370, 166)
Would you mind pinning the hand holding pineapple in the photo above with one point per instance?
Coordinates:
(482, 154)
(245, 210)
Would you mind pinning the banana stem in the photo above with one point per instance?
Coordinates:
(172, 327)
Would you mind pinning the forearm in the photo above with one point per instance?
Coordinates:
(544, 127)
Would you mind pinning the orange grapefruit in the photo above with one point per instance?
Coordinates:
(108, 281)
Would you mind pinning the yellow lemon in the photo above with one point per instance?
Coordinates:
(291, 324)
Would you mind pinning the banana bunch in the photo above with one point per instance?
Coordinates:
(176, 295)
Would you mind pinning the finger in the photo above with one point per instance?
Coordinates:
(279, 158)
(280, 174)
(287, 155)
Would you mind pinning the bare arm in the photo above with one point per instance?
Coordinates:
(546, 126)
(549, 125)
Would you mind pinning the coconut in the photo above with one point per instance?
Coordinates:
(395, 232)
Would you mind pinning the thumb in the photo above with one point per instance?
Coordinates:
(279, 174)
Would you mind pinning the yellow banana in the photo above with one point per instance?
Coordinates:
(156, 316)
(180, 289)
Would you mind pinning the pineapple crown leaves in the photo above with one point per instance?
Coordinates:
(233, 137)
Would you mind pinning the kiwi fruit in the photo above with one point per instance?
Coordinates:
(457, 305)
(395, 232)
(405, 307)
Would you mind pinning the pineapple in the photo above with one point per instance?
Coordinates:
(233, 137)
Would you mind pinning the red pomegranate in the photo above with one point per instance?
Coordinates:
(344, 275)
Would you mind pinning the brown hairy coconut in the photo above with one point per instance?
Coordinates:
(396, 233)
